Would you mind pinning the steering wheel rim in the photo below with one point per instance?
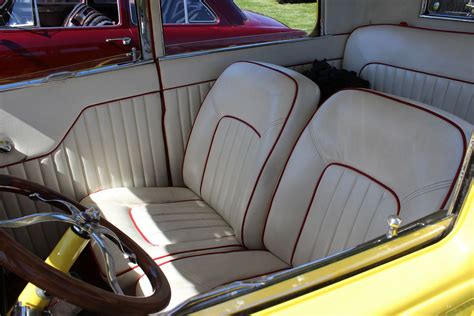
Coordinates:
(17, 259)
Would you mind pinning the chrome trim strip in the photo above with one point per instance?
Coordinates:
(437, 17)
(240, 288)
(240, 47)
(464, 175)
(81, 73)
(423, 10)
(144, 27)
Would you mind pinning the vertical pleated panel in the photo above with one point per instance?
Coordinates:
(450, 95)
(118, 144)
(182, 106)
(348, 208)
(231, 169)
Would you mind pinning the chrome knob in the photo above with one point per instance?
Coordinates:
(6, 145)
(394, 223)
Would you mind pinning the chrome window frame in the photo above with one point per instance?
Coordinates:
(424, 10)
(146, 56)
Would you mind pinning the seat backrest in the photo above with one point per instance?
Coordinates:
(429, 66)
(242, 136)
(364, 156)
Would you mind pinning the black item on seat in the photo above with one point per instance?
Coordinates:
(331, 80)
(83, 15)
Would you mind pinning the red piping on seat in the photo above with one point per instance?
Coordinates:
(414, 70)
(281, 175)
(192, 256)
(447, 120)
(179, 253)
(463, 137)
(248, 278)
(138, 228)
(212, 143)
(130, 213)
(316, 190)
(274, 144)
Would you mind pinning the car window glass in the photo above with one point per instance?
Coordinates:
(451, 9)
(173, 11)
(194, 25)
(19, 13)
(198, 12)
(133, 12)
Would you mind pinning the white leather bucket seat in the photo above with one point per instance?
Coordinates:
(239, 143)
(364, 156)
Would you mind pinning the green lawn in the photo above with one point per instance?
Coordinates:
(300, 16)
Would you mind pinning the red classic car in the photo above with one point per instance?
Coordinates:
(43, 37)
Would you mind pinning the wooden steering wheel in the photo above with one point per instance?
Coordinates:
(17, 259)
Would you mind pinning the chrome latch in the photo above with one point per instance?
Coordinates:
(133, 54)
(6, 145)
(394, 223)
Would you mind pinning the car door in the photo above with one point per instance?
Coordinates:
(40, 49)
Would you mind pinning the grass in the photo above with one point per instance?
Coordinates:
(300, 16)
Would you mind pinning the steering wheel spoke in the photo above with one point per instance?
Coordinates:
(33, 219)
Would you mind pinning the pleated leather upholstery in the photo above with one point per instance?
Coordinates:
(244, 128)
(355, 164)
(182, 106)
(450, 95)
(429, 66)
(118, 144)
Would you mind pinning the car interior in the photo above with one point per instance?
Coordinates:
(224, 166)
(72, 14)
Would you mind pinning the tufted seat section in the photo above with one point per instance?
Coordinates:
(363, 156)
(242, 136)
(429, 66)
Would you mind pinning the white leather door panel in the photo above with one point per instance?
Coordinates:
(36, 118)
(79, 136)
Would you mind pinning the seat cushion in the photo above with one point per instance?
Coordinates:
(199, 274)
(164, 221)
(429, 66)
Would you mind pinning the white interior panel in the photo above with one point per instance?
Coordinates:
(197, 68)
(37, 118)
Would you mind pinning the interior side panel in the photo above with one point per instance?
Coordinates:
(114, 144)
(79, 136)
(176, 72)
(37, 118)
